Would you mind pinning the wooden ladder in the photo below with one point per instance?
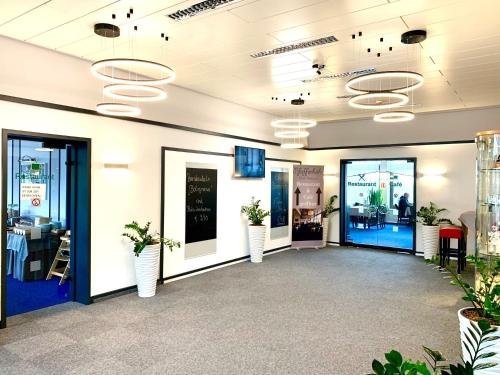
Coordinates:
(62, 255)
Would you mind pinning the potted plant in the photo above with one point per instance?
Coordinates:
(147, 256)
(396, 365)
(327, 211)
(485, 301)
(256, 230)
(375, 197)
(428, 216)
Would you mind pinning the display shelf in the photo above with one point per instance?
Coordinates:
(488, 194)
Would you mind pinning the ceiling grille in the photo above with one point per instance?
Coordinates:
(295, 46)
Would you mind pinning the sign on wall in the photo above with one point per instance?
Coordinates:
(201, 211)
(279, 199)
(307, 230)
(33, 191)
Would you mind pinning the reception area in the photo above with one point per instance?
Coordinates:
(250, 187)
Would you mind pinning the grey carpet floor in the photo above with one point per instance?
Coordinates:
(315, 312)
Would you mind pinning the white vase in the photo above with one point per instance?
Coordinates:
(465, 325)
(147, 266)
(257, 237)
(325, 231)
(430, 240)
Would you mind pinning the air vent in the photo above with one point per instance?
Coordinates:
(340, 75)
(296, 46)
(198, 8)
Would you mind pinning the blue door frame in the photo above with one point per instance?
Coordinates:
(79, 172)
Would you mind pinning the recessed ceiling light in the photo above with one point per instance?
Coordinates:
(198, 8)
(295, 46)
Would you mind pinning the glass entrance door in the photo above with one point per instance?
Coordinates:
(378, 199)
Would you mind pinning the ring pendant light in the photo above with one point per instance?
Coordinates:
(293, 144)
(400, 99)
(293, 123)
(117, 109)
(167, 75)
(291, 134)
(416, 79)
(394, 116)
(142, 93)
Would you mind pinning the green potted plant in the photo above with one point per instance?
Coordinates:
(429, 217)
(147, 256)
(325, 215)
(485, 305)
(394, 363)
(375, 197)
(256, 230)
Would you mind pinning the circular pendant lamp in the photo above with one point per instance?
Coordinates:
(125, 66)
(117, 109)
(394, 116)
(294, 144)
(291, 134)
(378, 100)
(361, 84)
(140, 93)
(293, 123)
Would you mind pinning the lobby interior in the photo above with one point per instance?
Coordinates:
(286, 158)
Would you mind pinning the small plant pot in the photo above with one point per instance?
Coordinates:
(466, 325)
(257, 237)
(430, 240)
(325, 231)
(147, 266)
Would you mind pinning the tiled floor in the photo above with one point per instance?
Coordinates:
(299, 312)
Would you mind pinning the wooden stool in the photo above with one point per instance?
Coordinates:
(445, 251)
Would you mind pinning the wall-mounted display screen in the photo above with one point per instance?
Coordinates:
(249, 162)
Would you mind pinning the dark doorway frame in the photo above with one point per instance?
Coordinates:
(80, 214)
(342, 231)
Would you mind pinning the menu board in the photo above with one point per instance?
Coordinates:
(201, 204)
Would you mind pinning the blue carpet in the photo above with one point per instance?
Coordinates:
(33, 295)
(402, 239)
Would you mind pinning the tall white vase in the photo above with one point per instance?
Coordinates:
(147, 266)
(325, 231)
(257, 237)
(465, 325)
(430, 240)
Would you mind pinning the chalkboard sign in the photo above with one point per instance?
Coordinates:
(201, 204)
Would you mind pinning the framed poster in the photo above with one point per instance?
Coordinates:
(307, 230)
(201, 210)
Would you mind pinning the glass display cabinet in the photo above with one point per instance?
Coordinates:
(488, 194)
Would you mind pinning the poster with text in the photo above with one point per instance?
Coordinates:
(307, 230)
(201, 211)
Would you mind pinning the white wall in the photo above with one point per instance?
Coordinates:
(232, 193)
(37, 73)
(427, 127)
(118, 196)
(454, 190)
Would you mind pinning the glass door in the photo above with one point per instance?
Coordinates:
(378, 200)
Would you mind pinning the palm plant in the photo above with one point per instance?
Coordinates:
(329, 207)
(429, 215)
(254, 213)
(141, 237)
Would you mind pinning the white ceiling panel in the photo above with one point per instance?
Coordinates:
(211, 52)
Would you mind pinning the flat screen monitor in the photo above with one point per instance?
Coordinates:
(249, 162)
